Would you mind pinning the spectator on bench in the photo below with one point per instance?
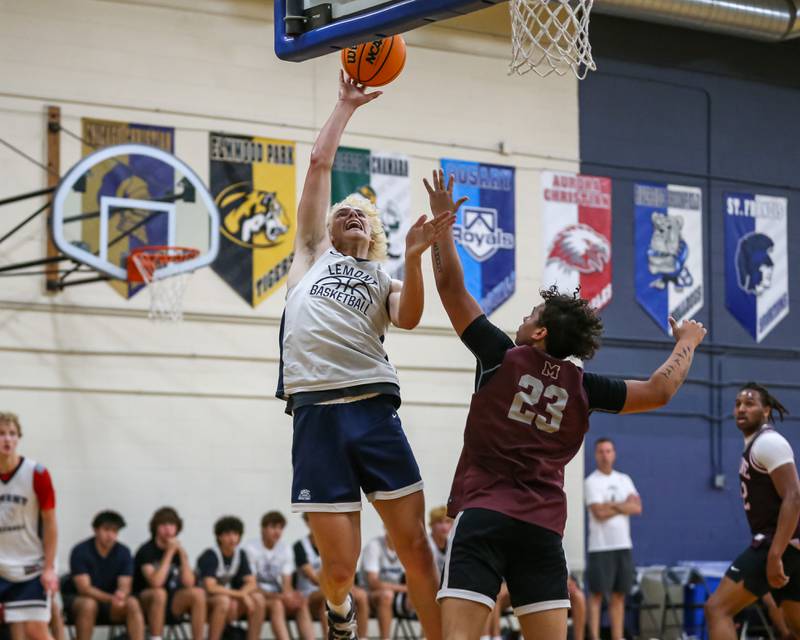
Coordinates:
(101, 570)
(440, 524)
(308, 563)
(388, 594)
(163, 578)
(273, 565)
(229, 581)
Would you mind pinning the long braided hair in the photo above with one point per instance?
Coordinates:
(767, 399)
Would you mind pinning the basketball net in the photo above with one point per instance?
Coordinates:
(166, 293)
(551, 36)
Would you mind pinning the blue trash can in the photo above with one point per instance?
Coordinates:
(695, 595)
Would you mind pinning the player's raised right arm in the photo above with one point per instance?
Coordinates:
(312, 234)
(459, 304)
(668, 378)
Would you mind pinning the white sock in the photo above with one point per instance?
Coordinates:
(155, 637)
(486, 637)
(341, 610)
(497, 637)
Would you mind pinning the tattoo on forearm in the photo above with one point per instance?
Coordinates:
(678, 365)
(437, 257)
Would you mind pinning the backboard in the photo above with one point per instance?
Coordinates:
(307, 29)
(132, 195)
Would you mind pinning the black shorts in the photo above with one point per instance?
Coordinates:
(751, 567)
(610, 571)
(103, 609)
(486, 547)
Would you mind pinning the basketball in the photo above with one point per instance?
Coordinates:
(375, 63)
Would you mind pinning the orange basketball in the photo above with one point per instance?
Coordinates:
(376, 63)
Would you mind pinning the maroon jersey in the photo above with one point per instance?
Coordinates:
(762, 503)
(524, 426)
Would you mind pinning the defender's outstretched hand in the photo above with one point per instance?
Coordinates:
(689, 330)
(353, 93)
(441, 195)
(424, 233)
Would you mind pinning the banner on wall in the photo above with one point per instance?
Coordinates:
(484, 230)
(135, 177)
(253, 184)
(668, 251)
(756, 261)
(383, 179)
(576, 235)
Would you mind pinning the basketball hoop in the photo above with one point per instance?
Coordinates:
(551, 36)
(166, 289)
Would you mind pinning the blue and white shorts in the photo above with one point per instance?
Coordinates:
(339, 450)
(24, 601)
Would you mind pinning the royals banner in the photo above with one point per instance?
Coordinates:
(133, 177)
(756, 261)
(669, 251)
(484, 229)
(383, 179)
(576, 235)
(253, 185)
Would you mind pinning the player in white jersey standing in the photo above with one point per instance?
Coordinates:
(27, 561)
(340, 386)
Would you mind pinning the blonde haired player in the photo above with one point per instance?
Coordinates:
(342, 389)
(27, 561)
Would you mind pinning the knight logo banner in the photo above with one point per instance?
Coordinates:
(756, 261)
(253, 185)
(576, 232)
(484, 229)
(383, 179)
(133, 177)
(669, 251)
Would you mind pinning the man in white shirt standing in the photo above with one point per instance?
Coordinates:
(611, 499)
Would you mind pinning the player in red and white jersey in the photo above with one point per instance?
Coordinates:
(771, 495)
(527, 420)
(27, 560)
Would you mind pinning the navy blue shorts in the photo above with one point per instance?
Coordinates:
(24, 601)
(338, 450)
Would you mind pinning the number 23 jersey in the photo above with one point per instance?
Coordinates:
(527, 420)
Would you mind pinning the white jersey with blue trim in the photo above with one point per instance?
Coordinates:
(21, 548)
(334, 324)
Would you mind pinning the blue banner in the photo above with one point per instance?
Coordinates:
(756, 261)
(669, 251)
(484, 230)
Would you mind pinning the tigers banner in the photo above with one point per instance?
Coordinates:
(383, 179)
(669, 251)
(484, 230)
(576, 235)
(756, 261)
(132, 177)
(253, 185)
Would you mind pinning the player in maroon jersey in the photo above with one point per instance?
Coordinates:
(771, 494)
(527, 420)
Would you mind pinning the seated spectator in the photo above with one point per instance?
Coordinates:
(388, 594)
(273, 565)
(163, 578)
(101, 570)
(440, 524)
(308, 564)
(229, 581)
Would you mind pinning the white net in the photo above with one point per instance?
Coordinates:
(166, 293)
(551, 36)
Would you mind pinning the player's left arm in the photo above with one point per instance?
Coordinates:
(407, 298)
(787, 485)
(46, 495)
(188, 578)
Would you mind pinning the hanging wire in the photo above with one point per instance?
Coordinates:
(20, 152)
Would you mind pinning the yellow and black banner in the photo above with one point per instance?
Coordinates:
(253, 185)
(125, 177)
